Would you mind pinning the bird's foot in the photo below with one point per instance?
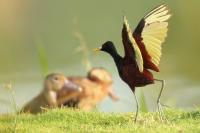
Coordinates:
(136, 117)
(164, 105)
(160, 110)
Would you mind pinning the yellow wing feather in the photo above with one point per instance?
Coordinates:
(138, 54)
(155, 31)
(153, 35)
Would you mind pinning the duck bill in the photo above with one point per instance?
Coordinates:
(68, 91)
(97, 49)
(70, 86)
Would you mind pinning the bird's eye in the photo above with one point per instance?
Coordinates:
(56, 78)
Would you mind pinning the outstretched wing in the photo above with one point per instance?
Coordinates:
(150, 34)
(132, 51)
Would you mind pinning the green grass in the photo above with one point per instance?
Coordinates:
(65, 120)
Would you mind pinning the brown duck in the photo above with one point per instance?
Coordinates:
(55, 85)
(96, 86)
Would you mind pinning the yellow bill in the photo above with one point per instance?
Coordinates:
(96, 49)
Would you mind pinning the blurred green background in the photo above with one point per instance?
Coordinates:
(35, 29)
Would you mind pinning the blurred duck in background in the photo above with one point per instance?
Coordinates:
(96, 86)
(57, 89)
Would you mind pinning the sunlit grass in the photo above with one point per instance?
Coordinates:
(13, 103)
(66, 120)
(82, 48)
(143, 104)
(9, 88)
(42, 57)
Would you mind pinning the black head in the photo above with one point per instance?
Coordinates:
(107, 47)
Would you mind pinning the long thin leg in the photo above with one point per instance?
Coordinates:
(137, 107)
(159, 105)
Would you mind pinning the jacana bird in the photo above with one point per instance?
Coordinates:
(96, 86)
(142, 50)
(55, 85)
